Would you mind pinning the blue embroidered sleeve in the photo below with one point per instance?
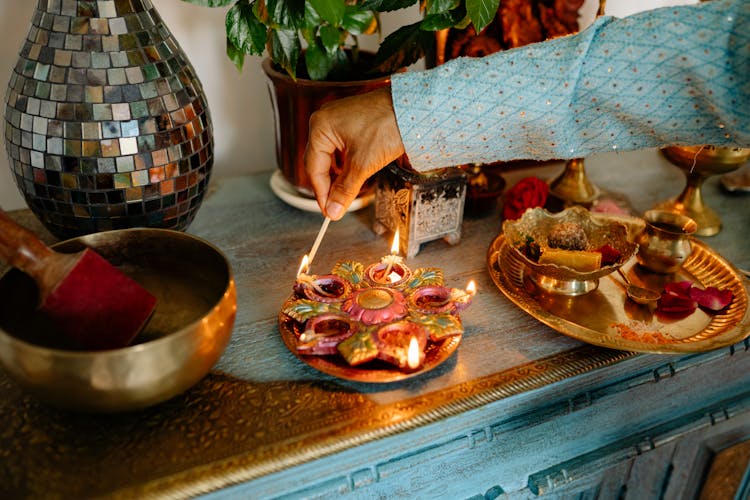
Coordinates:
(677, 75)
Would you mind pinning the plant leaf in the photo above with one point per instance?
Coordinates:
(391, 5)
(244, 30)
(332, 11)
(288, 14)
(369, 5)
(359, 22)
(330, 38)
(440, 6)
(481, 12)
(284, 49)
(444, 20)
(318, 61)
(210, 3)
(403, 47)
(312, 18)
(235, 55)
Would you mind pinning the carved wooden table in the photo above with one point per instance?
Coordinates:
(519, 409)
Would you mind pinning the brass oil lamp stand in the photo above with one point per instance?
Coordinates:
(572, 186)
(699, 163)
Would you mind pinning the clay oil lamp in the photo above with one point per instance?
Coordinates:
(375, 305)
(324, 333)
(326, 288)
(438, 299)
(402, 344)
(391, 270)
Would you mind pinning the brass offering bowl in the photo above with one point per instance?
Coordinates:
(189, 330)
(537, 223)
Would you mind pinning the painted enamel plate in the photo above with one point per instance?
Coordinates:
(373, 371)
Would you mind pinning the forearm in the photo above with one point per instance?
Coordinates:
(649, 80)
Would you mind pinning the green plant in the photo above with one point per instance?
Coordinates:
(329, 30)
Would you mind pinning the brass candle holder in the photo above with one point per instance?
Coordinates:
(573, 186)
(699, 163)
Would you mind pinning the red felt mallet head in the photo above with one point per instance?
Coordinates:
(89, 299)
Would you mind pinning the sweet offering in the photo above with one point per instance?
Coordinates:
(568, 251)
(568, 236)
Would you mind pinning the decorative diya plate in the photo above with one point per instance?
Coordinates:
(607, 318)
(375, 371)
(382, 323)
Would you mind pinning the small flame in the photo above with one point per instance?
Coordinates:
(304, 266)
(412, 356)
(471, 288)
(395, 244)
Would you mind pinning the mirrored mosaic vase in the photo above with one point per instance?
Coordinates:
(106, 122)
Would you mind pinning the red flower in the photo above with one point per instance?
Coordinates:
(529, 192)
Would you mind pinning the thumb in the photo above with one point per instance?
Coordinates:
(344, 191)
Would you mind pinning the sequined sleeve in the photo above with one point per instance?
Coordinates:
(677, 75)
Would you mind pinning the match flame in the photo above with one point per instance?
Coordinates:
(412, 355)
(471, 288)
(304, 266)
(395, 244)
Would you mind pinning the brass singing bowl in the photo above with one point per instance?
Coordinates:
(189, 330)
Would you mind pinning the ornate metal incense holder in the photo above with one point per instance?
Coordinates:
(422, 207)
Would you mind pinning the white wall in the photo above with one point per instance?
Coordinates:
(239, 102)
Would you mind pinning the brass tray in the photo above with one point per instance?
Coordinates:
(607, 318)
(371, 372)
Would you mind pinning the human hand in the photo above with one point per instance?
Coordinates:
(364, 131)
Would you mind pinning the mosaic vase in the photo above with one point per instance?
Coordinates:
(107, 125)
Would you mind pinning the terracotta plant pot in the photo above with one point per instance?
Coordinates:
(293, 102)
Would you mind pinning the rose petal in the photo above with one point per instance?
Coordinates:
(675, 304)
(679, 288)
(711, 298)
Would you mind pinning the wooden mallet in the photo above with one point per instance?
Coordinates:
(89, 299)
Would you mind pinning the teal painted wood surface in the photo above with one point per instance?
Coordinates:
(633, 424)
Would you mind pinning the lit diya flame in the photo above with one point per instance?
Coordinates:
(402, 344)
(304, 266)
(413, 355)
(389, 275)
(391, 269)
(327, 288)
(462, 298)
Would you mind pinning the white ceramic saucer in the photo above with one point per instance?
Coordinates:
(286, 192)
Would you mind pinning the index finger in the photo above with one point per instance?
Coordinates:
(318, 166)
